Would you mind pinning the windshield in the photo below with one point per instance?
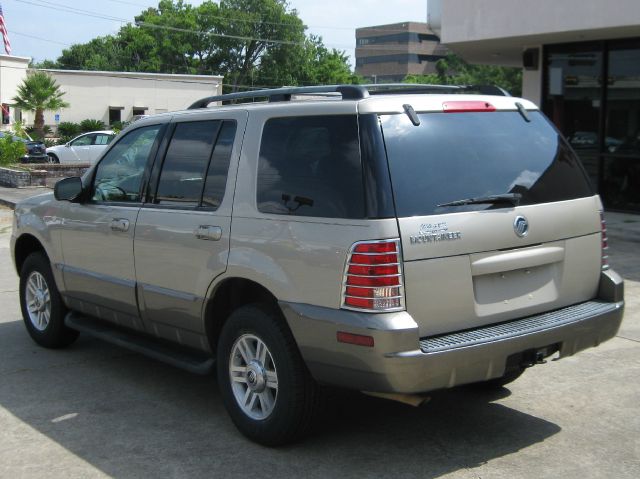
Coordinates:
(456, 156)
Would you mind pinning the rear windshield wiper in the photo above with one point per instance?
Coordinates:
(513, 198)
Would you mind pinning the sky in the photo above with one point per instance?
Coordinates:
(41, 29)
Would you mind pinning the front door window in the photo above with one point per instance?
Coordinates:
(119, 174)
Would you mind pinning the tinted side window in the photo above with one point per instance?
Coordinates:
(185, 164)
(83, 140)
(219, 168)
(119, 174)
(102, 139)
(310, 166)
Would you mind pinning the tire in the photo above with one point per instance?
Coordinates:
(53, 159)
(500, 382)
(271, 416)
(42, 308)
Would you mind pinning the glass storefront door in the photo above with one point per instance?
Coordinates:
(620, 186)
(592, 94)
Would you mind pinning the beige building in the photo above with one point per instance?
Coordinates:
(119, 96)
(106, 96)
(12, 71)
(581, 64)
(388, 53)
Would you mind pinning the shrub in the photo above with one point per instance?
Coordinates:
(68, 128)
(91, 125)
(19, 129)
(11, 150)
(118, 126)
(33, 134)
(65, 139)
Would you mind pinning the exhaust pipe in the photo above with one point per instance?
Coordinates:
(414, 400)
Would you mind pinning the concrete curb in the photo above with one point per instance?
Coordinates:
(8, 203)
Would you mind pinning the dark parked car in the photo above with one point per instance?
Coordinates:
(36, 150)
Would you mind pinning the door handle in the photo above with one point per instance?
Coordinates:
(208, 232)
(120, 224)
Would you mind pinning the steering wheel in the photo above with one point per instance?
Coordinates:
(103, 194)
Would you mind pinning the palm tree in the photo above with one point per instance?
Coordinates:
(39, 92)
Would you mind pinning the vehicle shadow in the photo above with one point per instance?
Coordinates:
(129, 416)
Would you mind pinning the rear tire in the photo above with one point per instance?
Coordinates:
(42, 308)
(272, 399)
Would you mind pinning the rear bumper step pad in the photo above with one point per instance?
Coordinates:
(518, 327)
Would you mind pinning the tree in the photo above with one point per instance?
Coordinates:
(453, 70)
(249, 42)
(39, 92)
(308, 64)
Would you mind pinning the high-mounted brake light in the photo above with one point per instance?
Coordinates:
(467, 106)
(373, 277)
(604, 243)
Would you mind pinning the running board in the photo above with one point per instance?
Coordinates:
(174, 355)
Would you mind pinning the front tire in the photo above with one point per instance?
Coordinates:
(42, 308)
(53, 159)
(264, 383)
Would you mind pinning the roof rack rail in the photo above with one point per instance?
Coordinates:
(349, 92)
(421, 88)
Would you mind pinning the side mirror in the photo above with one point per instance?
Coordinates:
(68, 189)
(68, 144)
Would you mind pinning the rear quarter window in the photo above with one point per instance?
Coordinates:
(311, 166)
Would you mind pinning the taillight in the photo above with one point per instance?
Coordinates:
(373, 277)
(604, 243)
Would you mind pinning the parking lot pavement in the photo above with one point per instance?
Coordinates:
(10, 196)
(94, 410)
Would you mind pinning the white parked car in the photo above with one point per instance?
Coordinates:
(85, 148)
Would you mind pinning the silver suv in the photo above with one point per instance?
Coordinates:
(388, 240)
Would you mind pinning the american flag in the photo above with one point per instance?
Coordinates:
(5, 34)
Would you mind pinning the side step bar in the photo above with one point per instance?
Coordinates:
(175, 356)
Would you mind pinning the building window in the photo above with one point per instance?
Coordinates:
(115, 114)
(404, 38)
(401, 58)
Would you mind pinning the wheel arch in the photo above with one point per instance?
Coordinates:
(228, 295)
(24, 246)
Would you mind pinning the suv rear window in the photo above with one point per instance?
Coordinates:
(456, 156)
(310, 166)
